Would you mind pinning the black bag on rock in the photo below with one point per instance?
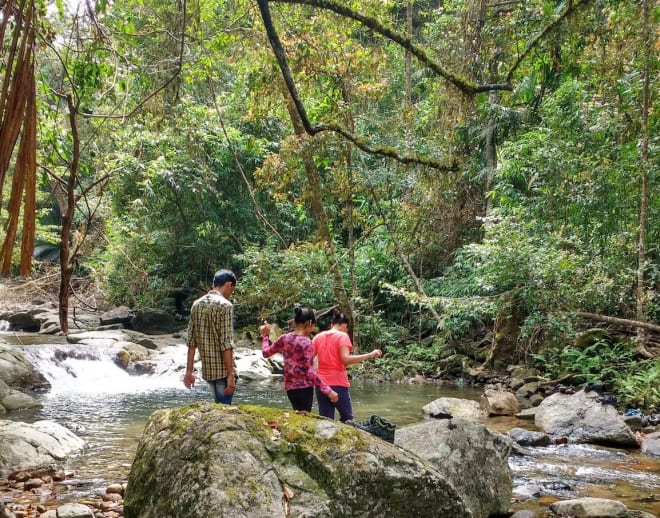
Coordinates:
(378, 426)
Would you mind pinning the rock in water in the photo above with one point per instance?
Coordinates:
(207, 460)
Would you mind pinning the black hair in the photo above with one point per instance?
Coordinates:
(223, 276)
(339, 318)
(303, 315)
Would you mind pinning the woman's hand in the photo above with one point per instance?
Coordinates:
(333, 396)
(376, 353)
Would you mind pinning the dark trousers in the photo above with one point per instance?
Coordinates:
(344, 405)
(301, 399)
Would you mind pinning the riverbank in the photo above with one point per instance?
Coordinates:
(56, 494)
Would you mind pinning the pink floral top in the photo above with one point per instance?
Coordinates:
(298, 355)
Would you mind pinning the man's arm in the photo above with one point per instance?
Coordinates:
(228, 360)
(189, 377)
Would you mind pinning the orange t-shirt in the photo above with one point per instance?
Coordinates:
(330, 367)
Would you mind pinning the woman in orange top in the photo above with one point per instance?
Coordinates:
(333, 351)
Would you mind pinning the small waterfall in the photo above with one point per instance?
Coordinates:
(81, 368)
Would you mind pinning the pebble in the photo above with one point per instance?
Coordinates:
(34, 494)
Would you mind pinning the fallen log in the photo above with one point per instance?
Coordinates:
(619, 321)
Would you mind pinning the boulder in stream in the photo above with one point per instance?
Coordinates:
(448, 407)
(474, 459)
(207, 460)
(38, 444)
(581, 418)
(594, 508)
(17, 372)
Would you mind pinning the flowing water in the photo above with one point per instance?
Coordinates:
(108, 407)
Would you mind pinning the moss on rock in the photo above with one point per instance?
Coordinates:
(207, 460)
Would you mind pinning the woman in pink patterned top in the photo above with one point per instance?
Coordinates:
(300, 378)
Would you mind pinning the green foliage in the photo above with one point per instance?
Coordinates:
(179, 204)
(598, 362)
(640, 386)
(377, 332)
(637, 383)
(274, 281)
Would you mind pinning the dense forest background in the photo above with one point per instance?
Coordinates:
(474, 182)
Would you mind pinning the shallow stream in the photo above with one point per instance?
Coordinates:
(108, 408)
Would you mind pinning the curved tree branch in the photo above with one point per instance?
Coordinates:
(462, 84)
(358, 141)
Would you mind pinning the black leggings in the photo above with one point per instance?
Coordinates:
(301, 399)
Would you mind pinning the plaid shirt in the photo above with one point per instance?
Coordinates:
(210, 330)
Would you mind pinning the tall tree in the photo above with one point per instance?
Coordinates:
(18, 110)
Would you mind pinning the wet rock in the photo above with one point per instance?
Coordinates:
(119, 315)
(519, 371)
(74, 511)
(536, 399)
(528, 437)
(37, 444)
(651, 444)
(115, 489)
(152, 321)
(527, 492)
(582, 419)
(16, 400)
(448, 407)
(251, 365)
(590, 508)
(634, 422)
(185, 467)
(499, 402)
(474, 460)
(527, 414)
(17, 372)
(523, 514)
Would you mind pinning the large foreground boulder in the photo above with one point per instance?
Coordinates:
(207, 460)
(581, 418)
(474, 460)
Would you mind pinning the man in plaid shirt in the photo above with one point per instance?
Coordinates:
(211, 331)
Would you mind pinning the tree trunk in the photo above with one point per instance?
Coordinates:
(18, 109)
(644, 190)
(66, 262)
(15, 85)
(505, 335)
(28, 155)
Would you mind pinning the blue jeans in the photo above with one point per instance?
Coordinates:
(218, 388)
(344, 405)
